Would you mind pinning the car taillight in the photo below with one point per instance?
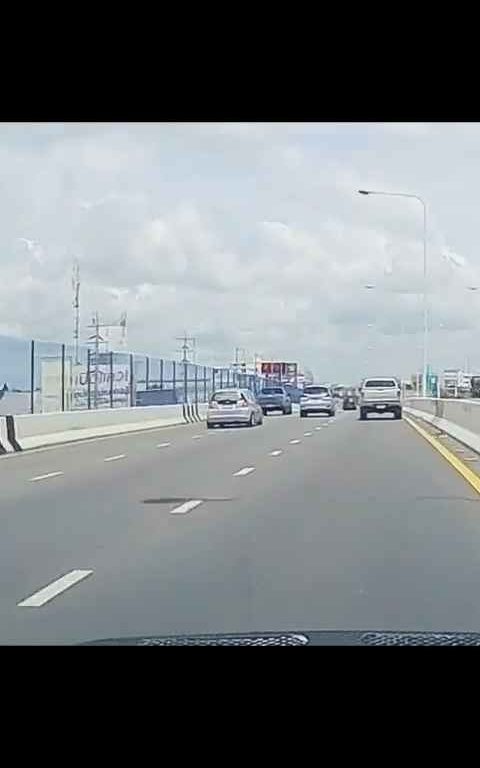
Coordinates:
(242, 404)
(213, 404)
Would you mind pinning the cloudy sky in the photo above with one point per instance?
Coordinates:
(248, 235)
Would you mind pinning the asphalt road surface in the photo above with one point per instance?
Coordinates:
(299, 524)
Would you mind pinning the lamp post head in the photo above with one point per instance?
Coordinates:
(363, 192)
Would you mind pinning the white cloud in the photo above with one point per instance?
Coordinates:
(246, 234)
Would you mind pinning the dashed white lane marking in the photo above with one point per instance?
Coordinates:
(52, 590)
(186, 507)
(197, 437)
(294, 442)
(470, 458)
(317, 427)
(275, 453)
(163, 445)
(45, 477)
(460, 450)
(244, 471)
(115, 458)
(307, 434)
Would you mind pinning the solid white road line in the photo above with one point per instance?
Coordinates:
(294, 442)
(55, 588)
(45, 477)
(115, 458)
(244, 471)
(163, 445)
(186, 507)
(275, 453)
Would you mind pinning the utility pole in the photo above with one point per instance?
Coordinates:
(123, 326)
(237, 351)
(76, 308)
(185, 348)
(96, 338)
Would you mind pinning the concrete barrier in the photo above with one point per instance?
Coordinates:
(458, 418)
(32, 431)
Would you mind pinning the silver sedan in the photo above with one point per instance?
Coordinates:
(233, 406)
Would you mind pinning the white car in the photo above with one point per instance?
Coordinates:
(317, 398)
(380, 395)
(233, 406)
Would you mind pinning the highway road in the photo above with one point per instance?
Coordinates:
(300, 524)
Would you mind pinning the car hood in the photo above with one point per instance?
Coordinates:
(299, 638)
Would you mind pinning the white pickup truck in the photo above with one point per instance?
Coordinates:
(380, 395)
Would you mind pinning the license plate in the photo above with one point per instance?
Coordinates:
(381, 407)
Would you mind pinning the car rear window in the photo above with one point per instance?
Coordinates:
(316, 391)
(380, 383)
(227, 396)
(272, 391)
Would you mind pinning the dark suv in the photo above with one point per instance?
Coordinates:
(274, 399)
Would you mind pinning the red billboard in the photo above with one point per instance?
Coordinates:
(280, 370)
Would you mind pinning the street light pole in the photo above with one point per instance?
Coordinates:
(425, 286)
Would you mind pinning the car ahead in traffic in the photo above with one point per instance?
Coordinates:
(274, 399)
(350, 401)
(338, 391)
(317, 398)
(380, 395)
(233, 406)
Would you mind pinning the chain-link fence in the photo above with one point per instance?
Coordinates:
(43, 377)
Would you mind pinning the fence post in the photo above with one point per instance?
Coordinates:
(196, 385)
(32, 376)
(147, 372)
(174, 381)
(111, 379)
(204, 383)
(63, 377)
(221, 378)
(89, 389)
(214, 371)
(131, 381)
(185, 382)
(161, 374)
